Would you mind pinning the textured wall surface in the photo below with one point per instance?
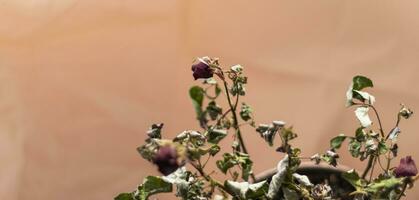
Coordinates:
(81, 80)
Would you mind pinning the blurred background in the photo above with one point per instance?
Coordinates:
(81, 81)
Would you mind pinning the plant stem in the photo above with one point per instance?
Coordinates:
(369, 165)
(235, 120)
(372, 168)
(379, 120)
(208, 178)
(376, 114)
(233, 108)
(403, 190)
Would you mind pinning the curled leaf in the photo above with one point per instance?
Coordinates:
(337, 141)
(278, 178)
(303, 180)
(363, 117)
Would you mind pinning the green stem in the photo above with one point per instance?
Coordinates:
(403, 190)
(376, 114)
(369, 165)
(378, 119)
(235, 120)
(233, 108)
(372, 168)
(208, 178)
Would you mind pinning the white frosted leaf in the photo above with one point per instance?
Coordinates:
(278, 178)
(363, 117)
(303, 180)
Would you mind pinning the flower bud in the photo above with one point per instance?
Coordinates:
(166, 159)
(406, 168)
(201, 69)
(405, 112)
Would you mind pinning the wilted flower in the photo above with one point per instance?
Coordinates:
(316, 158)
(407, 167)
(405, 112)
(166, 159)
(322, 191)
(201, 69)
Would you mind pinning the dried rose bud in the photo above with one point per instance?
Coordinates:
(201, 69)
(166, 159)
(406, 168)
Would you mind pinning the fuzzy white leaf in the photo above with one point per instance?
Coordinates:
(278, 178)
(363, 117)
(303, 180)
(242, 188)
(178, 178)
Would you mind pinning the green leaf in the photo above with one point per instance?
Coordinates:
(337, 141)
(214, 150)
(382, 148)
(238, 86)
(288, 134)
(245, 164)
(360, 134)
(388, 183)
(153, 185)
(125, 196)
(330, 157)
(216, 135)
(353, 178)
(246, 112)
(226, 163)
(197, 95)
(214, 110)
(241, 159)
(361, 82)
(355, 148)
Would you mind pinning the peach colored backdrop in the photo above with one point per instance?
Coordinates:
(81, 81)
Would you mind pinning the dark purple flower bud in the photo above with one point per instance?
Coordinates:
(202, 70)
(166, 159)
(406, 168)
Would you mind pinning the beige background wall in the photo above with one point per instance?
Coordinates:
(81, 80)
